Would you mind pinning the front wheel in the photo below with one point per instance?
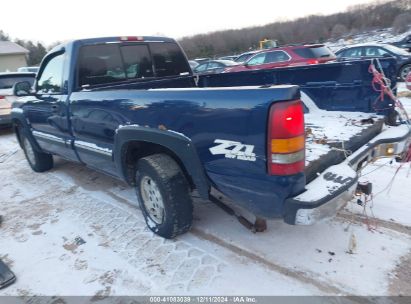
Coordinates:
(38, 161)
(404, 72)
(164, 195)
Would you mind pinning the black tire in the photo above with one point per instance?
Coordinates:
(404, 71)
(172, 188)
(38, 161)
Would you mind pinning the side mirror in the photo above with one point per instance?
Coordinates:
(386, 55)
(22, 88)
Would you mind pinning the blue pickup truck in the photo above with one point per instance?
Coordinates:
(131, 108)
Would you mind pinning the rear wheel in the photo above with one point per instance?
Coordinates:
(38, 161)
(404, 71)
(164, 195)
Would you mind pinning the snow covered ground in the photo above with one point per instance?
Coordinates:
(391, 181)
(74, 231)
(381, 36)
(44, 214)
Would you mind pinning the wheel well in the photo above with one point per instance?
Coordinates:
(401, 67)
(134, 150)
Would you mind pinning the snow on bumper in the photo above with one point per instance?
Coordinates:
(333, 188)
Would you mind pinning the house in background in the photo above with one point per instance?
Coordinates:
(12, 56)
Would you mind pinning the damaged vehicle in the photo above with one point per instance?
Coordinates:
(285, 143)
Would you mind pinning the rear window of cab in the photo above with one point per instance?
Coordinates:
(110, 63)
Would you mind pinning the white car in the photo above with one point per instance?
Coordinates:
(7, 80)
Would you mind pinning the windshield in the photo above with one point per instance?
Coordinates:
(244, 57)
(396, 50)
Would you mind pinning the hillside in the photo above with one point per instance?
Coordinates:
(359, 18)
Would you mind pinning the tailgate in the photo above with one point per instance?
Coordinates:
(332, 136)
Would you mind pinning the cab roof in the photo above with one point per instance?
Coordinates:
(112, 40)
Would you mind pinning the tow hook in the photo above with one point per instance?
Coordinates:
(259, 225)
(363, 188)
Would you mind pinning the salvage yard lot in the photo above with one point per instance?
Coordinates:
(74, 231)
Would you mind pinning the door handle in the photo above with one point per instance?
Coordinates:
(54, 108)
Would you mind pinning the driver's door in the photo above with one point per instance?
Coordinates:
(47, 111)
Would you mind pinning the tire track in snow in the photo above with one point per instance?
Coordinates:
(302, 276)
(361, 220)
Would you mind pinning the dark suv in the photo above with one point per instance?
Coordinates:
(404, 43)
(295, 55)
(376, 50)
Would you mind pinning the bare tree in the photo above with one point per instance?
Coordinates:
(339, 30)
(4, 36)
(379, 14)
(401, 23)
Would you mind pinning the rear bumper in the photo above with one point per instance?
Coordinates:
(333, 188)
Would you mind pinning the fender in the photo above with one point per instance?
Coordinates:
(17, 116)
(179, 144)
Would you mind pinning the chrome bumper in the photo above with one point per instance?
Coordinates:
(333, 188)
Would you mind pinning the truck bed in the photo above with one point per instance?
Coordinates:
(331, 136)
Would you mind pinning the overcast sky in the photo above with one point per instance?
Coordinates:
(54, 20)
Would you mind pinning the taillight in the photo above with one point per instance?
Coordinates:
(2, 97)
(286, 138)
(313, 61)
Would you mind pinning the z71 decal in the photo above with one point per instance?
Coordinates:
(233, 149)
(329, 176)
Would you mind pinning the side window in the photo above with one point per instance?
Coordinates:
(257, 59)
(382, 52)
(201, 67)
(168, 59)
(100, 64)
(137, 61)
(352, 53)
(276, 56)
(98, 115)
(214, 65)
(373, 51)
(51, 78)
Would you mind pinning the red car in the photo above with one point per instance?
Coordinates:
(285, 56)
